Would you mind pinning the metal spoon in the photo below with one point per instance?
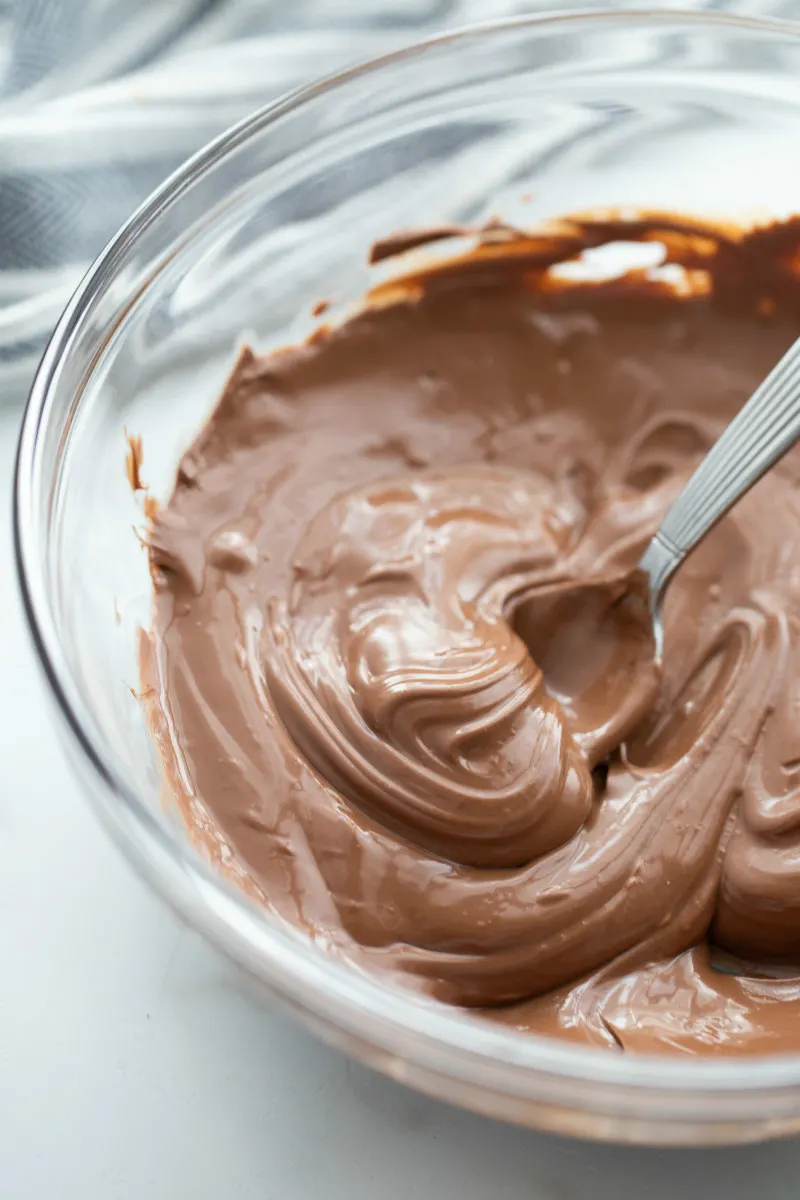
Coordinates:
(765, 429)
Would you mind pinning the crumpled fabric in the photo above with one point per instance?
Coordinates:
(101, 99)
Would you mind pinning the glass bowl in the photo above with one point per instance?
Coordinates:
(525, 119)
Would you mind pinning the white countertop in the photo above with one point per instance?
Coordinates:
(135, 1066)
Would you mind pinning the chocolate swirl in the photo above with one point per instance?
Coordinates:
(397, 669)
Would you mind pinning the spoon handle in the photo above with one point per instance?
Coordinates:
(762, 432)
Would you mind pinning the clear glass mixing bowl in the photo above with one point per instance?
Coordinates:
(665, 110)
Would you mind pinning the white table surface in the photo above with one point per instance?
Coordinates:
(135, 1066)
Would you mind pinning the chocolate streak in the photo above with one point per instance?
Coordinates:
(401, 660)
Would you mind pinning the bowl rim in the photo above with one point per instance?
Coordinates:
(385, 1016)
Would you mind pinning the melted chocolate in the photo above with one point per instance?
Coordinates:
(401, 669)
